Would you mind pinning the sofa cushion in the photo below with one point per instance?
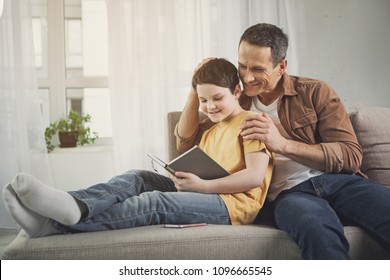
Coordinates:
(372, 128)
(218, 242)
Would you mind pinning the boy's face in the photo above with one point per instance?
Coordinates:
(218, 103)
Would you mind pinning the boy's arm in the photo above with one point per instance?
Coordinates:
(241, 181)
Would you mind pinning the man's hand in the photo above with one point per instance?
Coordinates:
(261, 127)
(203, 62)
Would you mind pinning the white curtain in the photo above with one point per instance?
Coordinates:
(154, 45)
(283, 14)
(22, 144)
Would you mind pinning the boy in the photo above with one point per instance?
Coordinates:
(139, 197)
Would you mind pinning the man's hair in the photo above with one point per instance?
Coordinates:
(218, 72)
(267, 35)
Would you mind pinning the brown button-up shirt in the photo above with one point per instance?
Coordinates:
(311, 112)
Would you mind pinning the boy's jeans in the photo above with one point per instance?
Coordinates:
(140, 198)
(311, 213)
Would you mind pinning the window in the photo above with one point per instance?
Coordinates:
(70, 40)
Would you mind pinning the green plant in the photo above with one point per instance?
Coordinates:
(73, 123)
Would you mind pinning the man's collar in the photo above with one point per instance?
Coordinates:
(288, 87)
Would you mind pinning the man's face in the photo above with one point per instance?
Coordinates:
(256, 70)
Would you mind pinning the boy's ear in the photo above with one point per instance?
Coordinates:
(237, 91)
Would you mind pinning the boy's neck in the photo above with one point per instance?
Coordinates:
(236, 112)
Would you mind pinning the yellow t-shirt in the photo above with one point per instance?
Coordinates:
(230, 154)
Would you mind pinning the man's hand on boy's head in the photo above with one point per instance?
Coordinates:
(203, 62)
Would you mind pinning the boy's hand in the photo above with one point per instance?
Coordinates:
(188, 182)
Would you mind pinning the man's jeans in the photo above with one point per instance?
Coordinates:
(312, 213)
(139, 198)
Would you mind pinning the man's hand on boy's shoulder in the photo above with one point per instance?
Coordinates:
(261, 127)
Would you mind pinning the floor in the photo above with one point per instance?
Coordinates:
(6, 236)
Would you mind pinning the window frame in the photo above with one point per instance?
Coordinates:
(57, 83)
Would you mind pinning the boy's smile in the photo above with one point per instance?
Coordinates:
(218, 103)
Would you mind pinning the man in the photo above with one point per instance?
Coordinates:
(316, 183)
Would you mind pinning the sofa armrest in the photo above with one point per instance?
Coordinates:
(172, 119)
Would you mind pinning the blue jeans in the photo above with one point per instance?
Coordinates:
(313, 211)
(139, 198)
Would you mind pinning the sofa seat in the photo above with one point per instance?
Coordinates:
(156, 242)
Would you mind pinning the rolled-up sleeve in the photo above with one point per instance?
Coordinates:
(184, 144)
(341, 157)
(343, 153)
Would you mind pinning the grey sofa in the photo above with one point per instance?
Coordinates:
(372, 126)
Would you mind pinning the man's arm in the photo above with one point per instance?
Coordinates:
(339, 150)
(189, 119)
(307, 154)
(188, 125)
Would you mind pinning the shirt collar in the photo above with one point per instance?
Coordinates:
(288, 87)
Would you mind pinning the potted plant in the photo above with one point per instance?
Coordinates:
(71, 131)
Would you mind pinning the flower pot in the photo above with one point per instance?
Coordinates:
(68, 138)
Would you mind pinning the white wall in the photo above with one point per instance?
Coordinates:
(346, 43)
(81, 167)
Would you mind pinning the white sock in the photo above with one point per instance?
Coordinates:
(46, 201)
(33, 224)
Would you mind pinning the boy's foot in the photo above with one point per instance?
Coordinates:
(33, 224)
(46, 201)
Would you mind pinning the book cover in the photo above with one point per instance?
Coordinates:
(194, 161)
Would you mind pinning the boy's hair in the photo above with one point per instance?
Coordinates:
(218, 72)
(268, 35)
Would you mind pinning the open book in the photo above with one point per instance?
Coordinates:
(194, 161)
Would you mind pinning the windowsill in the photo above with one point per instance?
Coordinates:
(103, 144)
(83, 149)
